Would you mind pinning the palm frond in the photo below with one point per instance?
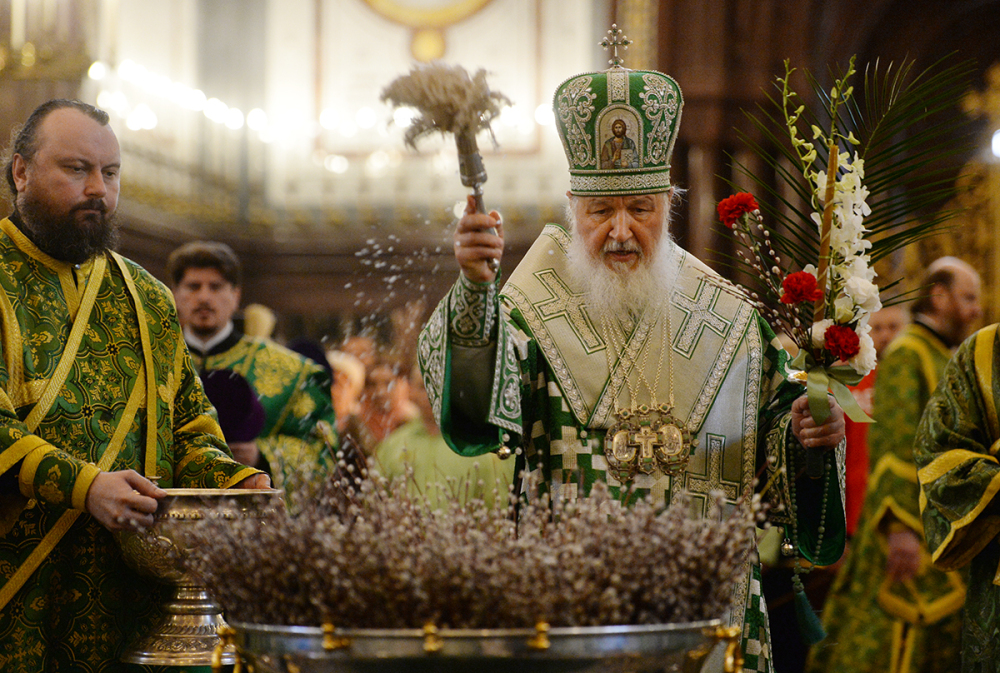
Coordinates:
(906, 123)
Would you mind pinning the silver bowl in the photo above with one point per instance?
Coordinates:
(696, 647)
(187, 635)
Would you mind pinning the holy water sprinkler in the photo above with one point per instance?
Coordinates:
(449, 100)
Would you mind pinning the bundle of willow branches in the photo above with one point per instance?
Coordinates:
(448, 98)
(375, 557)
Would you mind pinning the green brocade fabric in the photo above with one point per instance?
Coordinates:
(872, 624)
(298, 438)
(552, 392)
(959, 473)
(79, 607)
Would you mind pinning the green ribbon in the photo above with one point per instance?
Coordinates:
(821, 380)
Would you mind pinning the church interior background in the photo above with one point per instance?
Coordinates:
(258, 123)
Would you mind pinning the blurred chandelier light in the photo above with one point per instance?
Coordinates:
(336, 164)
(366, 118)
(257, 119)
(141, 118)
(361, 125)
(234, 119)
(544, 116)
(403, 116)
(328, 119)
(162, 87)
(996, 143)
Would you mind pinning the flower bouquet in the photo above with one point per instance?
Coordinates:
(862, 179)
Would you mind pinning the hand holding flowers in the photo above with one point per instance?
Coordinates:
(865, 176)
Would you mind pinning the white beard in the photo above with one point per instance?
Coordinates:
(624, 294)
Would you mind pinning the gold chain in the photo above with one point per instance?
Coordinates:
(609, 333)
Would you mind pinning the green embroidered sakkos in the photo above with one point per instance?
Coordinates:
(78, 603)
(554, 388)
(873, 624)
(298, 438)
(959, 474)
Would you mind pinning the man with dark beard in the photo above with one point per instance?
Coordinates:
(99, 404)
(613, 355)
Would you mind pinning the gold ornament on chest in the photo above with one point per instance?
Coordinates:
(645, 437)
(645, 440)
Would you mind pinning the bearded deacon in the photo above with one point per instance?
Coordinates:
(99, 404)
(613, 355)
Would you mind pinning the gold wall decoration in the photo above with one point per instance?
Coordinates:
(640, 21)
(427, 19)
(973, 234)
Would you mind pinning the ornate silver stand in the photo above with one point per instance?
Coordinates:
(698, 647)
(187, 635)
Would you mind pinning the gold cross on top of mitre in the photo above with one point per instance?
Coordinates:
(618, 39)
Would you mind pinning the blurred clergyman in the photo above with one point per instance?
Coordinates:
(417, 452)
(297, 444)
(241, 415)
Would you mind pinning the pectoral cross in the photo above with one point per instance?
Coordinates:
(646, 448)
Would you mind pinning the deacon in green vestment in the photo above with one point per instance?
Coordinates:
(297, 443)
(613, 355)
(97, 398)
(888, 609)
(959, 474)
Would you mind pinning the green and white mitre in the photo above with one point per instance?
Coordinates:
(618, 128)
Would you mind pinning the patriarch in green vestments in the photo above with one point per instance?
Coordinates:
(612, 355)
(99, 404)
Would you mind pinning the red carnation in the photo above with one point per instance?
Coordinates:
(736, 206)
(799, 287)
(842, 341)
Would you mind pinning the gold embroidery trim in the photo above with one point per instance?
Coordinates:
(31, 392)
(12, 347)
(19, 450)
(902, 648)
(984, 373)
(71, 292)
(948, 461)
(147, 350)
(193, 455)
(958, 533)
(61, 526)
(5, 402)
(203, 424)
(78, 499)
(299, 381)
(240, 476)
(68, 357)
(894, 464)
(919, 611)
(253, 349)
(26, 475)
